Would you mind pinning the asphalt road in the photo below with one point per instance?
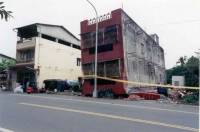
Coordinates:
(57, 113)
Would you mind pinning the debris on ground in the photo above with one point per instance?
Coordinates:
(164, 99)
(163, 95)
(145, 93)
(69, 92)
(148, 95)
(180, 97)
(133, 97)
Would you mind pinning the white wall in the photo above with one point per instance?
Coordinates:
(178, 79)
(56, 61)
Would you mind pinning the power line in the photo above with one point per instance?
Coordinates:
(182, 22)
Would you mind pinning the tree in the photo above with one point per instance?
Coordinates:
(188, 68)
(182, 60)
(192, 66)
(6, 64)
(4, 14)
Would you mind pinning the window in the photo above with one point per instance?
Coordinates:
(100, 37)
(134, 66)
(141, 67)
(110, 34)
(106, 36)
(26, 56)
(64, 42)
(87, 40)
(160, 78)
(102, 82)
(142, 48)
(93, 38)
(101, 48)
(78, 61)
(112, 68)
(48, 37)
(148, 47)
(101, 69)
(107, 68)
(88, 69)
(76, 46)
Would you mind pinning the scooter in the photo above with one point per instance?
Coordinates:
(29, 90)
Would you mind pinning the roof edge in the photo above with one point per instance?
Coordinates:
(52, 26)
(7, 57)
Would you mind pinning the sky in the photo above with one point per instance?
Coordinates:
(177, 22)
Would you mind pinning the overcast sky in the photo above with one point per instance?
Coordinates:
(177, 22)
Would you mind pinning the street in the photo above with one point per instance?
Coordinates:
(59, 113)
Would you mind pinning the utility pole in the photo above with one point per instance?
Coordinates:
(198, 55)
(96, 48)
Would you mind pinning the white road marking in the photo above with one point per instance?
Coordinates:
(113, 117)
(114, 104)
(5, 130)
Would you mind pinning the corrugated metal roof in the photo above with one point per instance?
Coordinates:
(51, 25)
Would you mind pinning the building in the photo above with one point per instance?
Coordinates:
(4, 73)
(125, 51)
(178, 80)
(46, 52)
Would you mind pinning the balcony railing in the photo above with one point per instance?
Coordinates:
(26, 44)
(106, 69)
(31, 60)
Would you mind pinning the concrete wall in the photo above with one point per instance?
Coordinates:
(178, 80)
(144, 58)
(56, 61)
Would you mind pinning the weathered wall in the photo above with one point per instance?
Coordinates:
(144, 58)
(56, 61)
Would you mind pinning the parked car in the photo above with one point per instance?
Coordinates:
(53, 85)
(74, 85)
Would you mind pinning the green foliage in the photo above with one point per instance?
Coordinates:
(191, 98)
(3, 13)
(192, 66)
(189, 69)
(6, 63)
(182, 60)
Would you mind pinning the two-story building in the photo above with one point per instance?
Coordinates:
(46, 51)
(125, 52)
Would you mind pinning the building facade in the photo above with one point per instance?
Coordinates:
(46, 52)
(125, 51)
